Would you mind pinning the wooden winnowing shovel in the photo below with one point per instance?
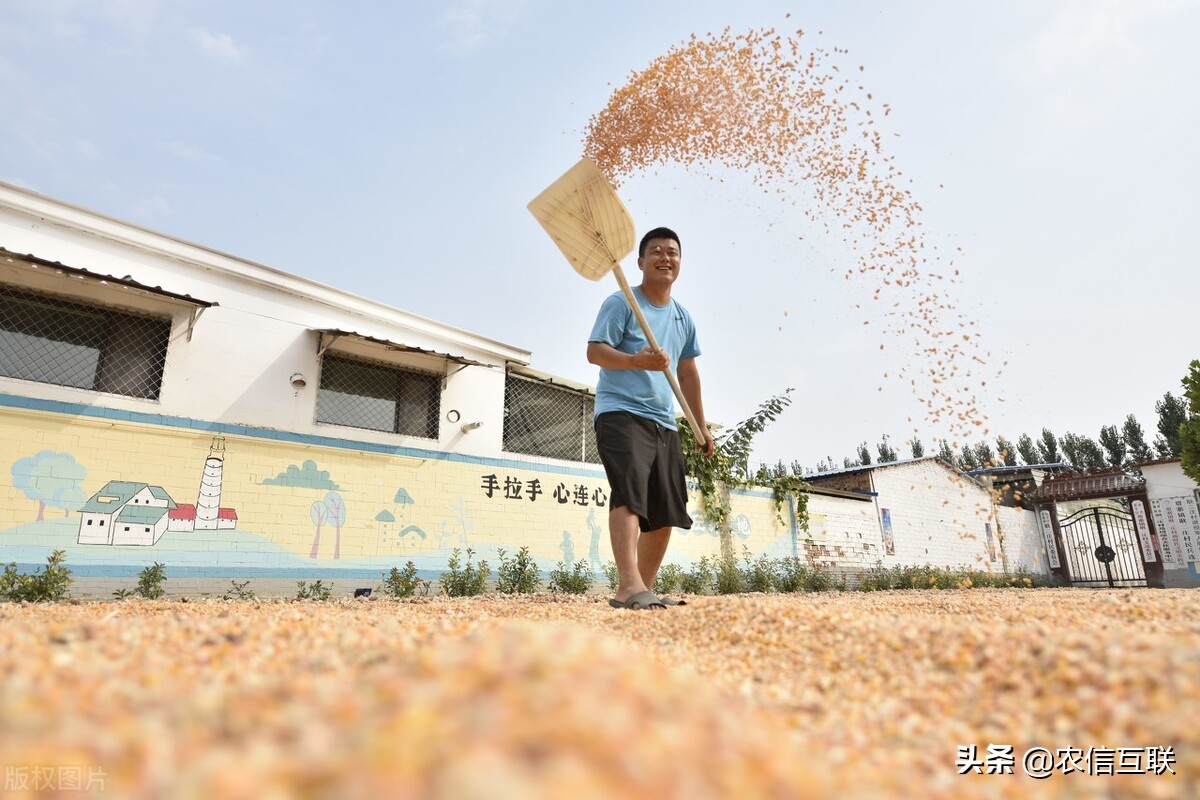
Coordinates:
(593, 229)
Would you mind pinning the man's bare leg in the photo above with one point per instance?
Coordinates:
(626, 539)
(651, 548)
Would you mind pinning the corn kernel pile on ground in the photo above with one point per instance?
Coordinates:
(811, 695)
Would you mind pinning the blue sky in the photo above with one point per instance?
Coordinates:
(390, 149)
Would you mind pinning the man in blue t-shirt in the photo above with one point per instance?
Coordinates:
(635, 418)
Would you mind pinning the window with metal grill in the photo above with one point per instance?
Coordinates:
(48, 339)
(541, 419)
(380, 397)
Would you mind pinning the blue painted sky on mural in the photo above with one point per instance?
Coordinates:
(390, 148)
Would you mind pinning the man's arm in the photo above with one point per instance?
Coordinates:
(609, 357)
(689, 382)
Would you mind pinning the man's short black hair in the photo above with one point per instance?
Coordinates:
(658, 233)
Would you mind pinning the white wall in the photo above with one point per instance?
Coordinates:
(938, 517)
(1022, 541)
(237, 365)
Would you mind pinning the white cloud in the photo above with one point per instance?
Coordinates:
(217, 45)
(189, 152)
(473, 23)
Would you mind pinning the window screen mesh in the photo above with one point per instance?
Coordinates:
(69, 343)
(378, 397)
(545, 420)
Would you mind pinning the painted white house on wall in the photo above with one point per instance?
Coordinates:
(125, 513)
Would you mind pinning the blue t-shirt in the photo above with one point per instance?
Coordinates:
(644, 393)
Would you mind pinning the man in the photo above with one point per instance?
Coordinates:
(635, 418)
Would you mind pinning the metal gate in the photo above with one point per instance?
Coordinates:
(1102, 548)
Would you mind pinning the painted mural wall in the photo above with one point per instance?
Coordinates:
(120, 494)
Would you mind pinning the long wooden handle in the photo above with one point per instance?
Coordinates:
(641, 318)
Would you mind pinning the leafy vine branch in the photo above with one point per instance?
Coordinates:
(729, 468)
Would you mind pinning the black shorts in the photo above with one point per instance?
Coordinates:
(644, 463)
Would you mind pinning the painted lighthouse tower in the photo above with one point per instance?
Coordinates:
(208, 504)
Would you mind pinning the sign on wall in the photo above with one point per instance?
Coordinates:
(1143, 529)
(1047, 527)
(1179, 529)
(889, 541)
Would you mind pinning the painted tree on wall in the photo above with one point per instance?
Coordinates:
(52, 479)
(335, 515)
(319, 513)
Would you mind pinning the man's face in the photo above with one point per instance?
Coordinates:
(660, 264)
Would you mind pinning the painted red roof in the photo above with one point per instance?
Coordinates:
(183, 511)
(226, 513)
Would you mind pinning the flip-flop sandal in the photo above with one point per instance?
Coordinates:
(668, 601)
(638, 602)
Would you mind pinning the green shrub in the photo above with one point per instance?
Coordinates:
(51, 584)
(760, 574)
(729, 578)
(576, 580)
(404, 584)
(668, 579)
(316, 591)
(239, 591)
(123, 593)
(150, 582)
(612, 576)
(699, 579)
(818, 580)
(465, 581)
(517, 575)
(791, 574)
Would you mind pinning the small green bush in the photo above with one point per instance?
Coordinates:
(239, 591)
(464, 581)
(52, 584)
(699, 579)
(519, 575)
(576, 580)
(612, 576)
(729, 578)
(404, 584)
(668, 579)
(316, 591)
(761, 574)
(150, 582)
(791, 574)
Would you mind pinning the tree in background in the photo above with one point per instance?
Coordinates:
(984, 456)
(1027, 451)
(966, 460)
(886, 453)
(946, 454)
(1006, 452)
(1189, 431)
(915, 446)
(1047, 448)
(1082, 452)
(1171, 414)
(1113, 445)
(1135, 441)
(864, 455)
